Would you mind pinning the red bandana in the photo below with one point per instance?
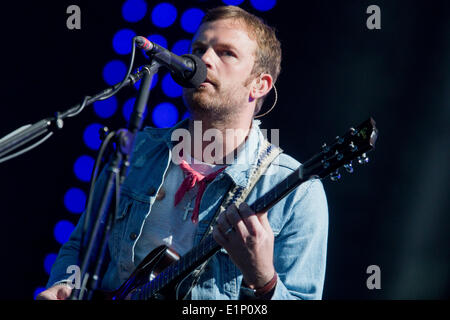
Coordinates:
(189, 182)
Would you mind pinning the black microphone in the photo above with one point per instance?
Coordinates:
(187, 70)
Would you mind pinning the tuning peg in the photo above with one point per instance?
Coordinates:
(339, 140)
(363, 159)
(349, 167)
(335, 176)
(325, 148)
(353, 131)
(325, 164)
(352, 146)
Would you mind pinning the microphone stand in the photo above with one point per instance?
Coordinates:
(47, 126)
(96, 246)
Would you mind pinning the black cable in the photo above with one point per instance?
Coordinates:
(72, 112)
(94, 173)
(130, 67)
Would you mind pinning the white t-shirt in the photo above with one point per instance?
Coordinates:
(165, 224)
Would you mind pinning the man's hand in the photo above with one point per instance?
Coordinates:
(58, 292)
(249, 241)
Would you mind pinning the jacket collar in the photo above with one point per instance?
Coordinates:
(240, 169)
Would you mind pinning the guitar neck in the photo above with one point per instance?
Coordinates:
(352, 145)
(208, 247)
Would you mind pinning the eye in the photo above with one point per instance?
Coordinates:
(198, 50)
(227, 53)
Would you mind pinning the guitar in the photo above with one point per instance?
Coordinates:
(158, 275)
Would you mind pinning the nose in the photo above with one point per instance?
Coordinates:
(208, 58)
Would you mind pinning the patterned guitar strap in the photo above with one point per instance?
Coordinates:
(237, 194)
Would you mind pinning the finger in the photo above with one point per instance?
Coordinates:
(250, 219)
(44, 296)
(222, 223)
(264, 219)
(219, 237)
(235, 220)
(63, 293)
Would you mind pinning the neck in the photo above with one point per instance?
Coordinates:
(216, 141)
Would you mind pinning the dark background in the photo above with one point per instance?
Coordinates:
(335, 73)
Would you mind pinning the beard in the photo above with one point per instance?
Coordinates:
(215, 99)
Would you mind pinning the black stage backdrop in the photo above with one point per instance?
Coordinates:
(392, 213)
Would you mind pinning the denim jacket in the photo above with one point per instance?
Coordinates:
(299, 222)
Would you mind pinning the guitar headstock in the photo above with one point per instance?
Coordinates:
(353, 145)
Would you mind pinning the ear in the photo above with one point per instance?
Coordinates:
(261, 86)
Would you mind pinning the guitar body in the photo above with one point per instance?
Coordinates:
(155, 262)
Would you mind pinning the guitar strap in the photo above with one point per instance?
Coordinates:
(237, 194)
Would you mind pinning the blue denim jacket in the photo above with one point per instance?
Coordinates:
(299, 223)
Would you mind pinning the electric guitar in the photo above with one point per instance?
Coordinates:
(158, 275)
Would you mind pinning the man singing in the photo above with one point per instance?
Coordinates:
(279, 254)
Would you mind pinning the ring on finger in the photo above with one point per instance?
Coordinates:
(228, 230)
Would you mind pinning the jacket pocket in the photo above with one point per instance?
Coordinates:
(125, 210)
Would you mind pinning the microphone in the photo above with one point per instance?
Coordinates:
(187, 70)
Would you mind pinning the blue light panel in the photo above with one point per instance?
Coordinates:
(122, 41)
(106, 108)
(114, 72)
(91, 136)
(164, 15)
(233, 2)
(158, 39)
(181, 47)
(83, 167)
(134, 10)
(75, 200)
(191, 18)
(165, 115)
(62, 231)
(263, 5)
(170, 87)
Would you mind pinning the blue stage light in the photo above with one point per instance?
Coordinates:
(91, 136)
(186, 115)
(181, 47)
(165, 115)
(134, 10)
(170, 87)
(122, 41)
(75, 200)
(63, 230)
(127, 109)
(233, 2)
(49, 260)
(158, 39)
(106, 108)
(263, 5)
(164, 15)
(191, 18)
(114, 72)
(83, 168)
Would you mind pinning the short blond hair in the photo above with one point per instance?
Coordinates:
(268, 52)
